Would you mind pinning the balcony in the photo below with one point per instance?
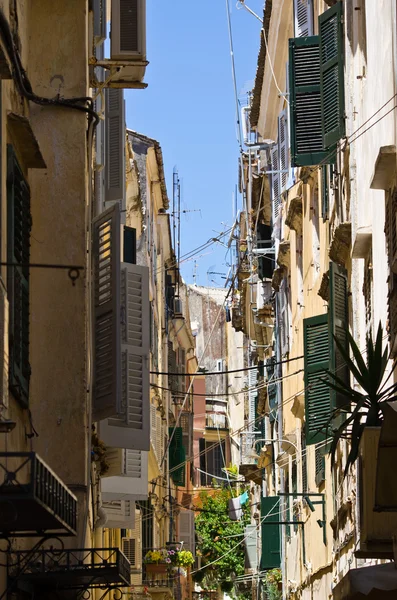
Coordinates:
(216, 420)
(70, 569)
(32, 498)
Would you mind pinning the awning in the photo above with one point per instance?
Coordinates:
(368, 583)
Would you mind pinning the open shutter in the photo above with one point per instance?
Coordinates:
(99, 7)
(251, 542)
(317, 392)
(115, 174)
(19, 223)
(106, 276)
(331, 74)
(324, 192)
(303, 17)
(120, 514)
(252, 396)
(266, 263)
(159, 437)
(270, 516)
(338, 327)
(127, 476)
(276, 201)
(305, 102)
(187, 530)
(272, 389)
(283, 317)
(132, 548)
(283, 147)
(130, 429)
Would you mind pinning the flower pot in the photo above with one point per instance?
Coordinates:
(156, 568)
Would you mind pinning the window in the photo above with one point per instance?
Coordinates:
(368, 291)
(19, 224)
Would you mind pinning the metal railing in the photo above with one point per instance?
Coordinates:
(27, 477)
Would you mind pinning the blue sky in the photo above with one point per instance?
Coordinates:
(189, 108)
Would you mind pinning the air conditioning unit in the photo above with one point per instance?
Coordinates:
(178, 306)
(128, 38)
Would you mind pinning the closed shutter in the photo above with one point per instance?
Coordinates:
(153, 424)
(305, 102)
(271, 547)
(304, 461)
(132, 424)
(271, 389)
(99, 7)
(127, 477)
(339, 327)
(127, 28)
(187, 530)
(19, 223)
(317, 392)
(303, 16)
(331, 74)
(186, 422)
(283, 148)
(106, 284)
(115, 174)
(276, 200)
(177, 456)
(159, 437)
(251, 543)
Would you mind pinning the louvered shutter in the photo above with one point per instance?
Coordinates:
(99, 105)
(338, 327)
(19, 223)
(106, 284)
(127, 477)
(115, 174)
(332, 74)
(271, 389)
(317, 392)
(303, 16)
(130, 429)
(99, 7)
(153, 424)
(305, 102)
(120, 514)
(252, 395)
(187, 530)
(324, 191)
(132, 545)
(177, 456)
(128, 29)
(186, 422)
(270, 513)
(4, 352)
(250, 542)
(159, 437)
(283, 147)
(276, 200)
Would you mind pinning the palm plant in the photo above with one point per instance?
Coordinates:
(362, 408)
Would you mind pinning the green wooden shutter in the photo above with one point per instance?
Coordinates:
(270, 555)
(177, 457)
(317, 393)
(305, 102)
(338, 326)
(271, 389)
(331, 74)
(324, 192)
(19, 224)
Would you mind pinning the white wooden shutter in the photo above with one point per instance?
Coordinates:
(283, 150)
(159, 431)
(106, 328)
(127, 477)
(4, 320)
(252, 382)
(275, 183)
(115, 172)
(187, 530)
(120, 513)
(283, 317)
(153, 424)
(303, 16)
(132, 548)
(131, 428)
(99, 7)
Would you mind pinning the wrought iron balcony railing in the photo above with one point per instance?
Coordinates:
(32, 498)
(70, 569)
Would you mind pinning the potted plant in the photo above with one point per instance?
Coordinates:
(363, 408)
(156, 561)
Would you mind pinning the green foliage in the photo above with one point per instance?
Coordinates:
(362, 409)
(273, 581)
(214, 528)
